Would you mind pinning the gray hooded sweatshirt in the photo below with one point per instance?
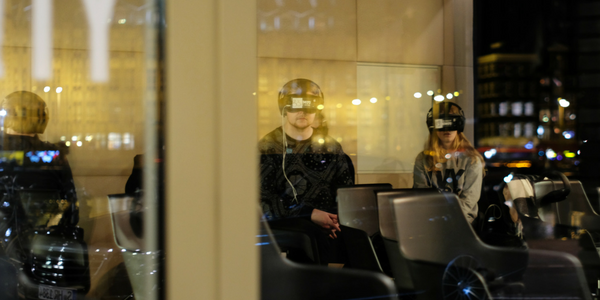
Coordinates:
(460, 174)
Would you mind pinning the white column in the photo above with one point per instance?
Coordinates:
(211, 161)
(41, 39)
(98, 13)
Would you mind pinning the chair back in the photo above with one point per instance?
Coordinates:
(120, 206)
(387, 227)
(357, 206)
(385, 209)
(284, 279)
(437, 219)
(577, 211)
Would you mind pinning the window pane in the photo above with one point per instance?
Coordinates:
(79, 83)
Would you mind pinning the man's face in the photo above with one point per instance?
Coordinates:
(300, 119)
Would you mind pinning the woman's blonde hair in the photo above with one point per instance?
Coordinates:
(435, 153)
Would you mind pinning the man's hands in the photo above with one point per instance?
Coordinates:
(329, 222)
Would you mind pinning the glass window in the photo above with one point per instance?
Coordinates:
(490, 105)
(79, 86)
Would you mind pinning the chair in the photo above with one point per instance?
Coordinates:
(121, 215)
(284, 279)
(387, 227)
(568, 217)
(357, 206)
(577, 210)
(443, 251)
(437, 219)
(127, 222)
(357, 213)
(290, 240)
(556, 225)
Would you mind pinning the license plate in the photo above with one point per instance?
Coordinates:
(52, 293)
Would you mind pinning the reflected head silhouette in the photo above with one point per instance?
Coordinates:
(25, 113)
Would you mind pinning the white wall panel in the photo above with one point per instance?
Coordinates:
(392, 131)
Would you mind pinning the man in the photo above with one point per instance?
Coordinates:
(39, 196)
(44, 165)
(301, 168)
(33, 167)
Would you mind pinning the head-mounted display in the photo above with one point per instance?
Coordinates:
(449, 117)
(301, 95)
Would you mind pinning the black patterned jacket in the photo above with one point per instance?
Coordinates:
(316, 167)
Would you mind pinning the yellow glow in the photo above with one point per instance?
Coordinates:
(122, 21)
(570, 154)
(496, 45)
(456, 94)
(429, 93)
(339, 105)
(339, 139)
(321, 141)
(68, 143)
(356, 101)
(387, 98)
(519, 164)
(439, 91)
(320, 107)
(254, 94)
(373, 100)
(89, 138)
(398, 148)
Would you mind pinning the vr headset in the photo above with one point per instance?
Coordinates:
(294, 96)
(295, 103)
(450, 118)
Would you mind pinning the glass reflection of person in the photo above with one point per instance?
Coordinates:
(449, 162)
(44, 165)
(301, 167)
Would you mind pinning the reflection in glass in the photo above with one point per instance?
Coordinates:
(388, 137)
(99, 90)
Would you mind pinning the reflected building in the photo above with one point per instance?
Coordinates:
(528, 100)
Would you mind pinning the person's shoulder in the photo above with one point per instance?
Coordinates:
(420, 156)
(270, 140)
(471, 159)
(49, 146)
(475, 160)
(330, 143)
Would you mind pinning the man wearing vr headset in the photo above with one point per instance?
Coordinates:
(449, 162)
(33, 172)
(301, 167)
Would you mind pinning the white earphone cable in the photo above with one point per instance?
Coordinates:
(285, 151)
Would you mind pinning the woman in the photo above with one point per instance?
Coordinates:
(449, 161)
